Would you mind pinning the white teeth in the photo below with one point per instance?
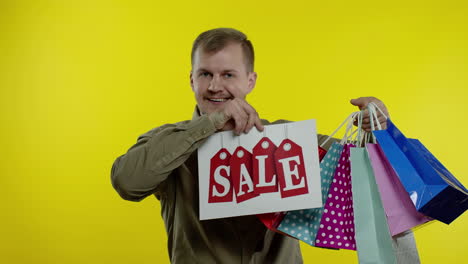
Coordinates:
(217, 99)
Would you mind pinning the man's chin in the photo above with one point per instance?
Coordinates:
(205, 110)
(210, 109)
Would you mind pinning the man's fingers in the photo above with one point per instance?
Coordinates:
(381, 119)
(254, 119)
(366, 127)
(365, 116)
(251, 114)
(236, 116)
(250, 122)
(258, 124)
(361, 102)
(382, 107)
(229, 125)
(242, 116)
(240, 120)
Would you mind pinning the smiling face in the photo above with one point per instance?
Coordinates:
(220, 76)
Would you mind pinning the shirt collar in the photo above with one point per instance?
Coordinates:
(196, 113)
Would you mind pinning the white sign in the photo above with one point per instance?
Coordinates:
(260, 172)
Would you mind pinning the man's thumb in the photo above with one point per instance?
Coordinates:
(360, 102)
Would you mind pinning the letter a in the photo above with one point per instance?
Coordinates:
(241, 171)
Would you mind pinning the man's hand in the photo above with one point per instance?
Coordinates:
(362, 102)
(239, 116)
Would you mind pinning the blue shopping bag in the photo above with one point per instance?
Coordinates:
(432, 188)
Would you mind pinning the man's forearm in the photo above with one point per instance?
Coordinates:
(140, 171)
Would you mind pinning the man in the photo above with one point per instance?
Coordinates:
(163, 162)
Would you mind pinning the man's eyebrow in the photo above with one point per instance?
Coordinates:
(227, 70)
(202, 70)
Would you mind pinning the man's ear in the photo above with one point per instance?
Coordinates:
(252, 80)
(191, 80)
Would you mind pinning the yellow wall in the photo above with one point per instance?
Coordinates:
(80, 80)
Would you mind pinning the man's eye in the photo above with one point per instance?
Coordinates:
(228, 75)
(205, 74)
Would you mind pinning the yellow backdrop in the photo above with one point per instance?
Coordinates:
(80, 80)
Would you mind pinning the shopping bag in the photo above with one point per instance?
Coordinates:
(336, 229)
(272, 220)
(432, 188)
(400, 211)
(374, 243)
(303, 224)
(404, 246)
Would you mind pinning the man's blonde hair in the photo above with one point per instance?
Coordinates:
(216, 39)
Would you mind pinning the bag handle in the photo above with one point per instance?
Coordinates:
(373, 117)
(361, 136)
(349, 120)
(352, 137)
(375, 106)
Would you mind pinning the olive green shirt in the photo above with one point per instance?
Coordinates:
(163, 162)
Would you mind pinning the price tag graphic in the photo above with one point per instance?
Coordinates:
(290, 169)
(264, 170)
(220, 187)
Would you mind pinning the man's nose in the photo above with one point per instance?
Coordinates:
(215, 84)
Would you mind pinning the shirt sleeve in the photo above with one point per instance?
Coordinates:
(139, 172)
